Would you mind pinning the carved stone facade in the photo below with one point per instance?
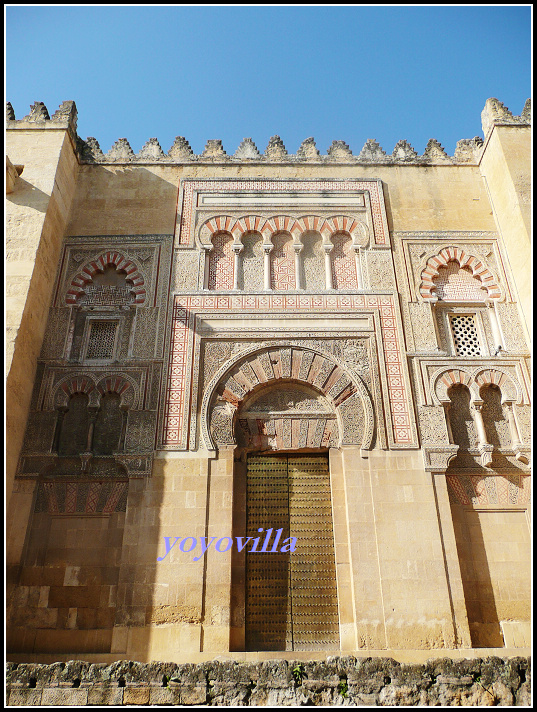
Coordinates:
(200, 313)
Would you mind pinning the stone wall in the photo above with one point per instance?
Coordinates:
(342, 681)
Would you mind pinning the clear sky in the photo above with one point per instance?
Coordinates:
(332, 72)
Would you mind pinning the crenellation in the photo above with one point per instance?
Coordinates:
(181, 150)
(214, 151)
(404, 152)
(339, 151)
(496, 113)
(308, 151)
(372, 152)
(247, 150)
(151, 151)
(467, 150)
(276, 150)
(90, 151)
(435, 153)
(121, 151)
(38, 112)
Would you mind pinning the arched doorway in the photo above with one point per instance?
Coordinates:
(284, 430)
(283, 408)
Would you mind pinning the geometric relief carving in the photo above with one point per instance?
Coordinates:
(380, 270)
(252, 262)
(494, 417)
(282, 264)
(318, 409)
(185, 272)
(312, 263)
(108, 425)
(454, 283)
(176, 416)
(343, 263)
(284, 416)
(457, 281)
(221, 264)
(422, 326)
(481, 490)
(74, 428)
(432, 425)
(511, 328)
(460, 417)
(374, 200)
(110, 279)
(81, 497)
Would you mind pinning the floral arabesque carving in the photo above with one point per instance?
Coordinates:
(276, 363)
(465, 260)
(106, 259)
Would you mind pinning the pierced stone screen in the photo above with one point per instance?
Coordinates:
(102, 339)
(465, 335)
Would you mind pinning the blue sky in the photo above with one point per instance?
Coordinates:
(332, 72)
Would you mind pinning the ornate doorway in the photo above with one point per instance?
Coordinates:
(290, 596)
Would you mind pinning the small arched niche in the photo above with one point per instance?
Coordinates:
(74, 428)
(286, 416)
(312, 262)
(108, 425)
(460, 416)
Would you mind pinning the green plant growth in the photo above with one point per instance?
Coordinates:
(343, 687)
(299, 673)
(478, 680)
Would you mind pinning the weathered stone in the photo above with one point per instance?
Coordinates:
(105, 695)
(59, 696)
(136, 696)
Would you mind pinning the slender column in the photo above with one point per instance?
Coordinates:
(485, 448)
(58, 429)
(124, 415)
(237, 249)
(328, 266)
(298, 281)
(495, 327)
(479, 424)
(267, 249)
(92, 412)
(207, 249)
(513, 427)
(447, 408)
(358, 260)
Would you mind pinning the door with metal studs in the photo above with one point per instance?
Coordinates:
(291, 597)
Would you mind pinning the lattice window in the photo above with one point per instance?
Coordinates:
(465, 335)
(102, 340)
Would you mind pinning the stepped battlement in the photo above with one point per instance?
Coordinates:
(467, 151)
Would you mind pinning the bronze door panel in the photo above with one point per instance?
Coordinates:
(291, 598)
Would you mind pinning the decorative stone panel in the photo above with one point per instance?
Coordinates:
(89, 497)
(83, 280)
(462, 286)
(324, 375)
(483, 490)
(365, 197)
(177, 416)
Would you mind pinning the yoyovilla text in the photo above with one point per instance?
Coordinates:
(190, 543)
